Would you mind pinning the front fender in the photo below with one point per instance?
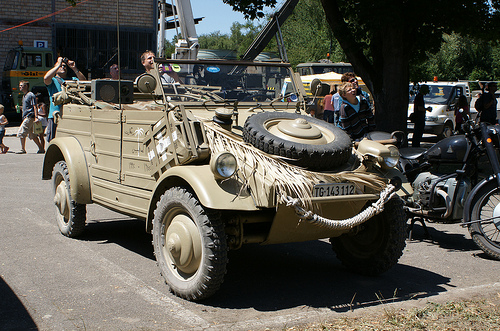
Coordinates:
(469, 203)
(68, 149)
(212, 193)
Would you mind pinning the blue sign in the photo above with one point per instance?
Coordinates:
(213, 69)
(41, 43)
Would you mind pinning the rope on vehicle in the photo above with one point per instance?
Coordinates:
(375, 208)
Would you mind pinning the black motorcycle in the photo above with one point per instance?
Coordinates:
(456, 179)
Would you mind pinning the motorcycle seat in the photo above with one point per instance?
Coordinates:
(411, 153)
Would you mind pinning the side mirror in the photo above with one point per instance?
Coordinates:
(319, 88)
(315, 86)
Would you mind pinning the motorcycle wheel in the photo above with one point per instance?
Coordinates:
(486, 206)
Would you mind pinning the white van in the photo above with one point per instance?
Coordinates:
(442, 97)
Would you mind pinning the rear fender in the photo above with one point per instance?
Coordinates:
(68, 149)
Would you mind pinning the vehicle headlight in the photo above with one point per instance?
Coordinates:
(392, 159)
(431, 118)
(223, 165)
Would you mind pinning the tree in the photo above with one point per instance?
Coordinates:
(239, 40)
(381, 38)
(460, 57)
(306, 21)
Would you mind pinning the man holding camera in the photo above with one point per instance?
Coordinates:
(53, 79)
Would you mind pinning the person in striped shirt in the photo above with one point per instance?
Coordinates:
(356, 116)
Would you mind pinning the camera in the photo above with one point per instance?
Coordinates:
(65, 60)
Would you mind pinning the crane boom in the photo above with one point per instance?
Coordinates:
(271, 28)
(187, 46)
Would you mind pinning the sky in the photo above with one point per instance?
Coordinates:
(218, 16)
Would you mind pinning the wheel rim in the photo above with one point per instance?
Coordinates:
(61, 200)
(181, 244)
(490, 208)
(367, 241)
(299, 130)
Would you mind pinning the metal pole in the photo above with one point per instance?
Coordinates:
(161, 43)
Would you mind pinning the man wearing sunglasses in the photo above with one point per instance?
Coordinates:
(53, 79)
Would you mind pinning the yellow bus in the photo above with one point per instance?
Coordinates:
(23, 63)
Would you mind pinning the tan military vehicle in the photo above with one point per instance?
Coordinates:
(218, 159)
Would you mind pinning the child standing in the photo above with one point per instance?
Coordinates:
(42, 117)
(3, 123)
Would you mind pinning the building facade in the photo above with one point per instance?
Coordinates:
(86, 33)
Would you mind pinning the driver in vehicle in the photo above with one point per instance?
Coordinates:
(168, 77)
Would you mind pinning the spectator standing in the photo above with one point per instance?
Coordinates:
(486, 104)
(29, 116)
(42, 113)
(419, 115)
(3, 123)
(337, 99)
(114, 71)
(356, 116)
(462, 105)
(53, 79)
(328, 113)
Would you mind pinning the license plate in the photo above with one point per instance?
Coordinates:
(333, 189)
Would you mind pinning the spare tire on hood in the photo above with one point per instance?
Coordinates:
(306, 141)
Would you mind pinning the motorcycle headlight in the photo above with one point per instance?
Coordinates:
(392, 159)
(223, 165)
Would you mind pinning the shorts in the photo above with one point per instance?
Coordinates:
(328, 116)
(26, 128)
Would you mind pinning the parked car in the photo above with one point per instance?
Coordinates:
(441, 98)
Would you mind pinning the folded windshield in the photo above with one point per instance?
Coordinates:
(243, 81)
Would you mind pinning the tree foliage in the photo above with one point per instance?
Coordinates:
(460, 57)
(308, 19)
(238, 40)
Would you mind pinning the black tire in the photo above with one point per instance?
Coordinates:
(447, 130)
(376, 245)
(486, 235)
(71, 216)
(332, 150)
(189, 245)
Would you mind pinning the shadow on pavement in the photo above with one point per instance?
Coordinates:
(126, 232)
(448, 239)
(13, 314)
(271, 278)
(277, 277)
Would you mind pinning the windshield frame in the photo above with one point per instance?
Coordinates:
(242, 72)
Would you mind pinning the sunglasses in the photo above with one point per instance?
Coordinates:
(353, 80)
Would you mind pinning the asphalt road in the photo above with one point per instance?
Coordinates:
(108, 279)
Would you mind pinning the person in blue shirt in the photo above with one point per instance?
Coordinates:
(53, 79)
(356, 117)
(348, 77)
